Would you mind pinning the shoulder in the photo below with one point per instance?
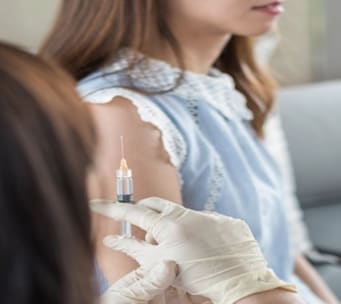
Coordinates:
(147, 152)
(118, 111)
(123, 110)
(119, 117)
(128, 112)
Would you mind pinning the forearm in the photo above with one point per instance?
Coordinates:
(309, 275)
(278, 296)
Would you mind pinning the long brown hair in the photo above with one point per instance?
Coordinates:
(88, 34)
(47, 137)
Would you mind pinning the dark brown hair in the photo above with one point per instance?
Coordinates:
(88, 34)
(46, 135)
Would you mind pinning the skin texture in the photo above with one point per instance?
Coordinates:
(221, 17)
(277, 296)
(203, 28)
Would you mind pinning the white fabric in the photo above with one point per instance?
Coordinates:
(172, 139)
(216, 185)
(141, 285)
(217, 256)
(154, 76)
(276, 143)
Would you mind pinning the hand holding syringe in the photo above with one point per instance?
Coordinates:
(124, 188)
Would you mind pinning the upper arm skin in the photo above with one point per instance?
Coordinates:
(153, 173)
(278, 296)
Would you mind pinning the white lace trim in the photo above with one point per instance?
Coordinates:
(193, 108)
(172, 140)
(216, 185)
(151, 75)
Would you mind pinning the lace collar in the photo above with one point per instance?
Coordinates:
(151, 75)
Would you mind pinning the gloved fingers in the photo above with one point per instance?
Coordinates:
(130, 246)
(149, 238)
(101, 200)
(103, 207)
(139, 216)
(157, 204)
(127, 281)
(155, 280)
(160, 275)
(143, 284)
(170, 212)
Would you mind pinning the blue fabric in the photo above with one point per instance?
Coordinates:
(101, 282)
(226, 169)
(249, 186)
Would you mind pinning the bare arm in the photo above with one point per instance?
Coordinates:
(308, 274)
(278, 296)
(153, 173)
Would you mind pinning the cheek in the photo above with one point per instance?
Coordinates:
(218, 17)
(253, 26)
(204, 11)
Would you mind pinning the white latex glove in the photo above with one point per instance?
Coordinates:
(141, 285)
(217, 256)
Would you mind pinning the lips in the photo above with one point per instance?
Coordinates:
(269, 3)
(273, 8)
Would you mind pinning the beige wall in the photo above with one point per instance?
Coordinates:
(293, 59)
(25, 22)
(332, 68)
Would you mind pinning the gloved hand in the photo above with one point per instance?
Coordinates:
(217, 256)
(141, 285)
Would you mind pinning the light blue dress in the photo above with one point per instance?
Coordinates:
(205, 124)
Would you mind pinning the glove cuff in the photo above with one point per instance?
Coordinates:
(237, 288)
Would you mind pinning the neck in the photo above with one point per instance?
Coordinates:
(199, 53)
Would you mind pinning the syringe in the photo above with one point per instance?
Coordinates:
(124, 189)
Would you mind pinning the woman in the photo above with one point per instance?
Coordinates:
(178, 78)
(46, 251)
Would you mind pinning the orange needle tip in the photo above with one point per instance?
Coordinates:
(124, 165)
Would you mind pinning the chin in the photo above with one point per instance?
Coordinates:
(259, 30)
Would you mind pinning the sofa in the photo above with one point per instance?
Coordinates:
(311, 119)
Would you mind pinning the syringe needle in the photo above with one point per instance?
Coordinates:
(123, 163)
(122, 147)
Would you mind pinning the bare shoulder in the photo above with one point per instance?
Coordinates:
(120, 116)
(144, 149)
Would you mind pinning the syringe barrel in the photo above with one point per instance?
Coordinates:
(124, 193)
(126, 229)
(124, 186)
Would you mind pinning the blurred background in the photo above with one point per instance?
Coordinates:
(308, 51)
